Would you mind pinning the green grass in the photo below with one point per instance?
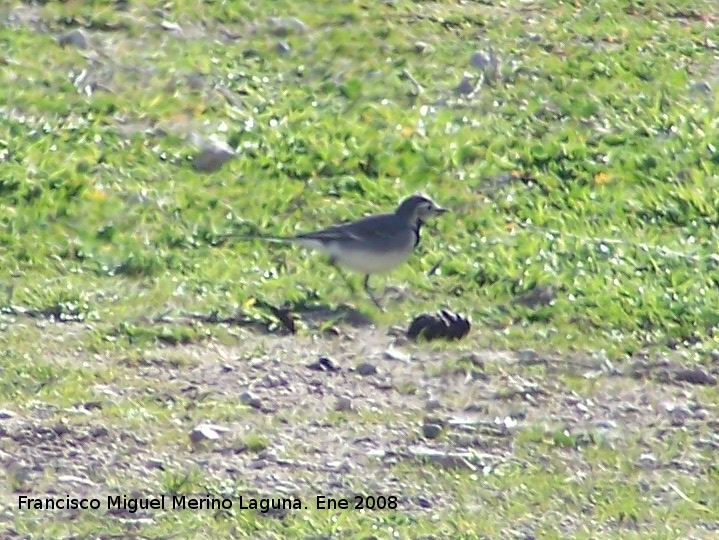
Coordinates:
(590, 164)
(593, 125)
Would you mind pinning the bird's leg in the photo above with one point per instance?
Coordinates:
(369, 292)
(352, 288)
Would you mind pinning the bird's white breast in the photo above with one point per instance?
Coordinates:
(361, 260)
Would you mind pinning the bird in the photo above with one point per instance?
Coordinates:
(373, 244)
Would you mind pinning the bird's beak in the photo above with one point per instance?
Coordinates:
(439, 210)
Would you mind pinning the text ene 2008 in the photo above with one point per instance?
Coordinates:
(358, 502)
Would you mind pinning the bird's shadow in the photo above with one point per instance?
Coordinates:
(320, 314)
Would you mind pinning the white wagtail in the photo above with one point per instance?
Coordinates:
(373, 244)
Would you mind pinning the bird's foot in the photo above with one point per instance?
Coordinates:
(375, 301)
(398, 293)
(369, 292)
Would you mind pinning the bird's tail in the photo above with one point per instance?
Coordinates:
(228, 237)
(263, 238)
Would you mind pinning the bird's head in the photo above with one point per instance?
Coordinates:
(418, 208)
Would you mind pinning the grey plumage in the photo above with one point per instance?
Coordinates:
(373, 244)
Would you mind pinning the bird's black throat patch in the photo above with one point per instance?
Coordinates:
(416, 229)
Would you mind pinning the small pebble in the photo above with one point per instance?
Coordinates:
(431, 431)
(324, 364)
(365, 368)
(420, 47)
(282, 26)
(695, 376)
(206, 432)
(76, 38)
(432, 405)
(251, 400)
(213, 156)
(343, 404)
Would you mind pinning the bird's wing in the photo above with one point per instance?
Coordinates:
(369, 228)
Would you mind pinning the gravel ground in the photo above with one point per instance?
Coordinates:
(343, 424)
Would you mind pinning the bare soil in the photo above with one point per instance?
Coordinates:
(343, 432)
